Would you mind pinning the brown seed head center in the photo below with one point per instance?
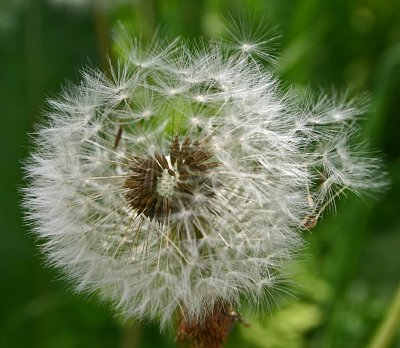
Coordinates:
(161, 186)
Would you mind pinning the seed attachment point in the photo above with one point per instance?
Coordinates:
(166, 184)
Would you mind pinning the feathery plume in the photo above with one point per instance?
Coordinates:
(181, 183)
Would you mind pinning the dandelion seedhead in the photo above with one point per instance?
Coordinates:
(181, 183)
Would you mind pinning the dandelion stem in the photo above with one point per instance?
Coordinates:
(211, 332)
(131, 336)
(390, 325)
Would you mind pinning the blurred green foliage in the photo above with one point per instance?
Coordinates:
(349, 271)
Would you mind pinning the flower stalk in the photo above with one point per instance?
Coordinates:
(389, 327)
(212, 332)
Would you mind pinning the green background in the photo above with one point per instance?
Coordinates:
(348, 274)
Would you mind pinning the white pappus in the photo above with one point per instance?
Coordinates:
(186, 177)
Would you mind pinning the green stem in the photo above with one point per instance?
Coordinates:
(390, 325)
(131, 336)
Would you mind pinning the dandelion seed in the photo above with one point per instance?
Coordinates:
(251, 37)
(166, 191)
